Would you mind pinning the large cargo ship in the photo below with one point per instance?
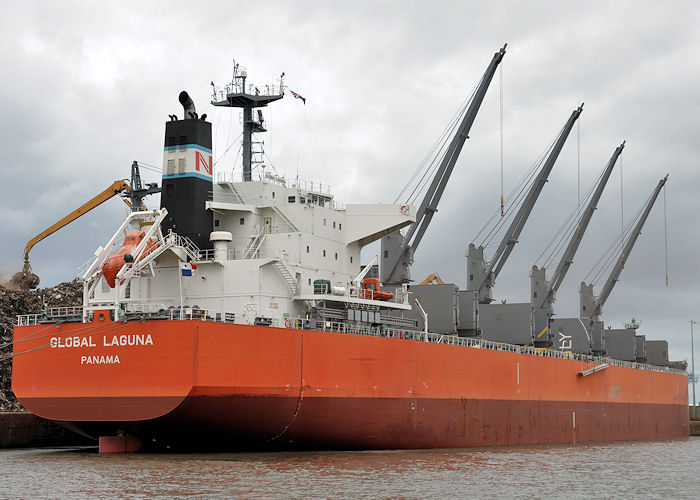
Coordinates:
(237, 316)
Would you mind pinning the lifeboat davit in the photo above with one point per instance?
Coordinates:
(116, 261)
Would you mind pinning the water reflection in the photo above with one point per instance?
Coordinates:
(638, 469)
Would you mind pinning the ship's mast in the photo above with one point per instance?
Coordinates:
(239, 94)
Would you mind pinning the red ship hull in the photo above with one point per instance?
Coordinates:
(200, 385)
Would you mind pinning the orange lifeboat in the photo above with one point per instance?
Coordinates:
(371, 289)
(114, 262)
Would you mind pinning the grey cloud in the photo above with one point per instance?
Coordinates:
(91, 87)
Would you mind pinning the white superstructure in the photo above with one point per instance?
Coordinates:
(282, 239)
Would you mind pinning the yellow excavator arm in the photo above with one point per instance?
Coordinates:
(431, 278)
(116, 188)
(26, 278)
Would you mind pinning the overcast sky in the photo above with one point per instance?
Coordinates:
(87, 87)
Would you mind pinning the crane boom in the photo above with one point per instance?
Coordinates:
(567, 258)
(116, 188)
(26, 278)
(135, 193)
(615, 274)
(488, 277)
(395, 270)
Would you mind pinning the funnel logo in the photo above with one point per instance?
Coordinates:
(200, 161)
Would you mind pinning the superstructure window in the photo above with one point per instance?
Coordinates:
(324, 253)
(302, 200)
(216, 223)
(386, 254)
(336, 255)
(242, 221)
(324, 222)
(307, 248)
(340, 225)
(333, 224)
(273, 195)
(351, 259)
(291, 199)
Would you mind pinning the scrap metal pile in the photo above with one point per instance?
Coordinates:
(16, 302)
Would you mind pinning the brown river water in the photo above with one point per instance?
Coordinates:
(664, 469)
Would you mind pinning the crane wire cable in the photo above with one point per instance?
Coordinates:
(429, 173)
(562, 234)
(438, 145)
(500, 69)
(558, 250)
(230, 145)
(622, 204)
(315, 149)
(665, 236)
(578, 168)
(614, 251)
(436, 151)
(525, 179)
(514, 198)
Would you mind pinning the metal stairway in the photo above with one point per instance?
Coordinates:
(237, 193)
(190, 248)
(287, 275)
(293, 227)
(251, 249)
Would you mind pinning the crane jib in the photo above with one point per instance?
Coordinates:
(432, 197)
(511, 236)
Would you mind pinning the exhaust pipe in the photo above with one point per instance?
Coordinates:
(188, 104)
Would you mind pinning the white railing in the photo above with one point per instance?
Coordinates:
(193, 314)
(28, 319)
(65, 311)
(238, 254)
(403, 334)
(220, 93)
(314, 187)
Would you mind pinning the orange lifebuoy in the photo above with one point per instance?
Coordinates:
(288, 323)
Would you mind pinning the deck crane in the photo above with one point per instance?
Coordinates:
(482, 275)
(591, 306)
(543, 292)
(133, 195)
(397, 250)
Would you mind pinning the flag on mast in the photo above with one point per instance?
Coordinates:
(298, 96)
(187, 269)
